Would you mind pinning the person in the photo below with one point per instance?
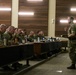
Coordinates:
(19, 35)
(31, 36)
(2, 30)
(40, 35)
(72, 42)
(8, 35)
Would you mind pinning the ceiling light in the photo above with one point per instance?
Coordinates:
(5, 9)
(26, 13)
(63, 21)
(60, 71)
(74, 21)
(34, 0)
(66, 21)
(72, 9)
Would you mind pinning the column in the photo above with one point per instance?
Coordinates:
(14, 20)
(51, 18)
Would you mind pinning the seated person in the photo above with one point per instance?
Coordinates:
(2, 30)
(31, 36)
(40, 34)
(19, 35)
(9, 36)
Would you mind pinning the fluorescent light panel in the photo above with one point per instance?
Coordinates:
(63, 21)
(72, 9)
(26, 13)
(74, 21)
(34, 0)
(20, 13)
(5, 9)
(66, 21)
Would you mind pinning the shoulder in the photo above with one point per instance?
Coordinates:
(6, 35)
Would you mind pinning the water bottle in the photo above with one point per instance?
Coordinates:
(38, 39)
(5, 42)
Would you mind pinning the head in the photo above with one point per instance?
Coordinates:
(19, 31)
(70, 19)
(10, 29)
(41, 33)
(3, 28)
(16, 30)
(31, 33)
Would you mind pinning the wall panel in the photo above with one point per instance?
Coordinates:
(62, 12)
(5, 16)
(40, 19)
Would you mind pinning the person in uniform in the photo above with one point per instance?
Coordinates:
(40, 35)
(19, 35)
(8, 35)
(31, 36)
(2, 30)
(72, 42)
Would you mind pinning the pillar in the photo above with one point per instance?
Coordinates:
(51, 18)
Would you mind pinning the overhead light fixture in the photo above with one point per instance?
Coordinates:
(74, 21)
(5, 9)
(72, 9)
(63, 21)
(66, 21)
(26, 13)
(35, 0)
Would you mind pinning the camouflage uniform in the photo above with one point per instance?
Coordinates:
(19, 37)
(9, 38)
(72, 43)
(31, 38)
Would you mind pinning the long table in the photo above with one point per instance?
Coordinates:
(46, 47)
(12, 54)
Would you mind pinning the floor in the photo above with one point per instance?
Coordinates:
(56, 66)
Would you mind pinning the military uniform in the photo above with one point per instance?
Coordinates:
(41, 37)
(72, 44)
(31, 38)
(19, 37)
(9, 38)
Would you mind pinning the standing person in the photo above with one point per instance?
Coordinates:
(72, 42)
